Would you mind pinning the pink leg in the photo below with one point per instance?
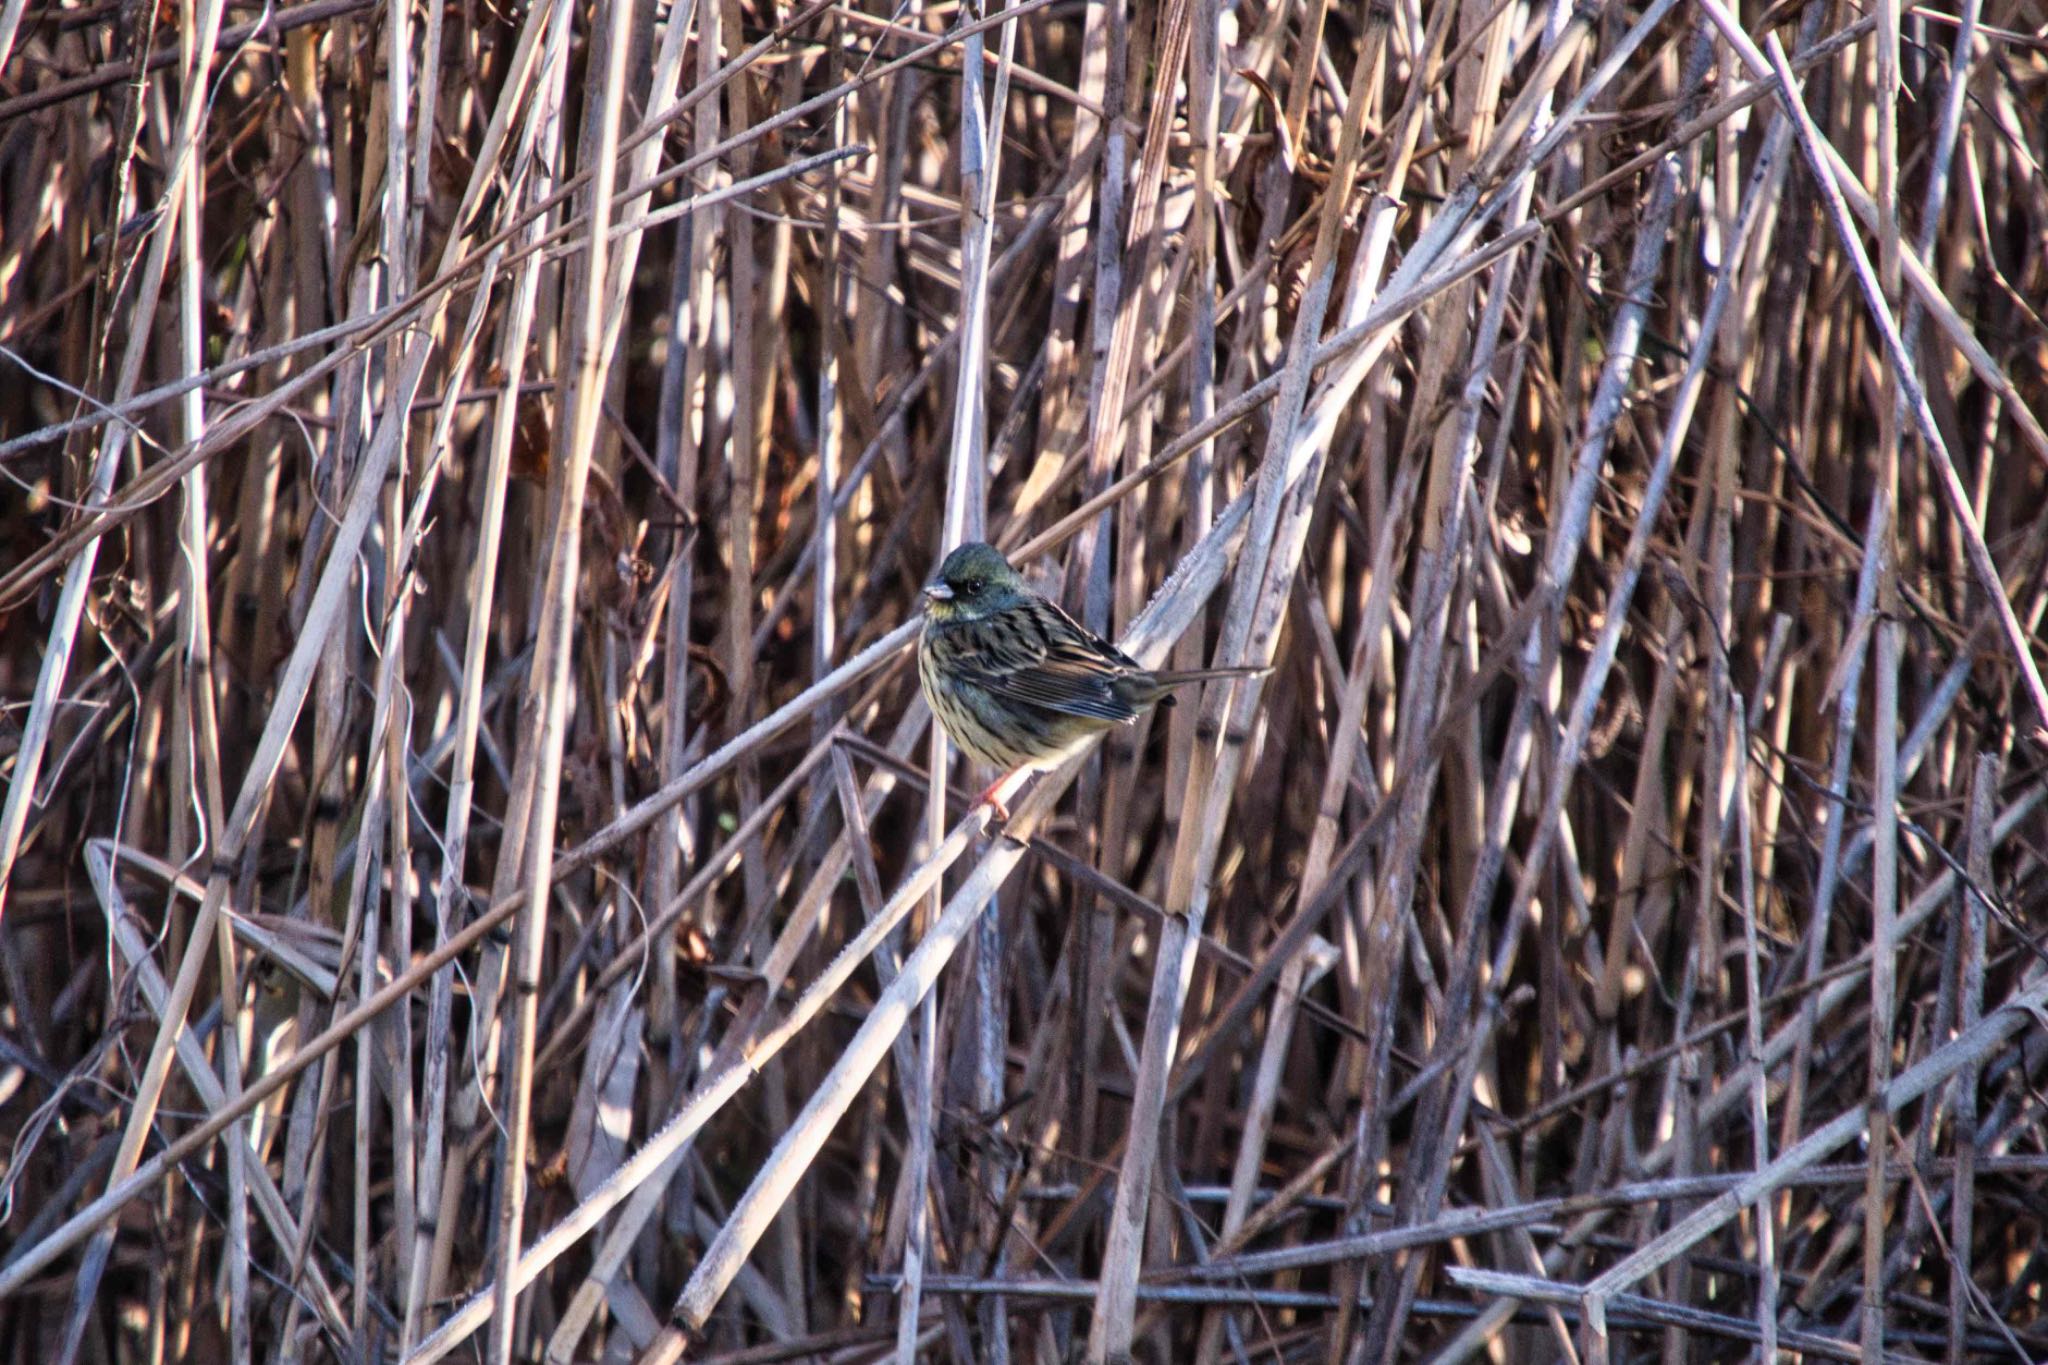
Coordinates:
(995, 794)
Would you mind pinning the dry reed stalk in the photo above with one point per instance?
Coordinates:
(476, 470)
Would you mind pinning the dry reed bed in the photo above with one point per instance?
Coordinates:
(470, 471)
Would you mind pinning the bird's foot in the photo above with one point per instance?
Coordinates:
(993, 797)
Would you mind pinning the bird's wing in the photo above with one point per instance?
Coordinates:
(1035, 653)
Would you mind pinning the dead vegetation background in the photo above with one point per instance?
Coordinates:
(471, 883)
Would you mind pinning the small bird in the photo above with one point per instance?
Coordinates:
(1018, 683)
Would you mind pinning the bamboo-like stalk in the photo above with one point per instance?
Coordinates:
(1968, 1049)
(1969, 1008)
(549, 697)
(1168, 617)
(1631, 451)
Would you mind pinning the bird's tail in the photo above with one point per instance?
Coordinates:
(1164, 683)
(1204, 674)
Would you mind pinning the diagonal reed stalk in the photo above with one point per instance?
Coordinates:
(472, 876)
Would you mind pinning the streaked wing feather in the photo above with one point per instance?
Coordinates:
(1037, 655)
(1069, 691)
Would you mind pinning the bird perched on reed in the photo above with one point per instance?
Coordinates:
(1018, 683)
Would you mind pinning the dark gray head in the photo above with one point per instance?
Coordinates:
(974, 582)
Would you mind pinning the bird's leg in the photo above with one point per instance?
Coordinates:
(993, 797)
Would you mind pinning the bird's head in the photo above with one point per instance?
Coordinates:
(974, 582)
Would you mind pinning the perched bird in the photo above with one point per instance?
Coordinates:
(1018, 683)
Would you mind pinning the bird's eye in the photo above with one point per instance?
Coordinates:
(970, 587)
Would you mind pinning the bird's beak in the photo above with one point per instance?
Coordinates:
(938, 592)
